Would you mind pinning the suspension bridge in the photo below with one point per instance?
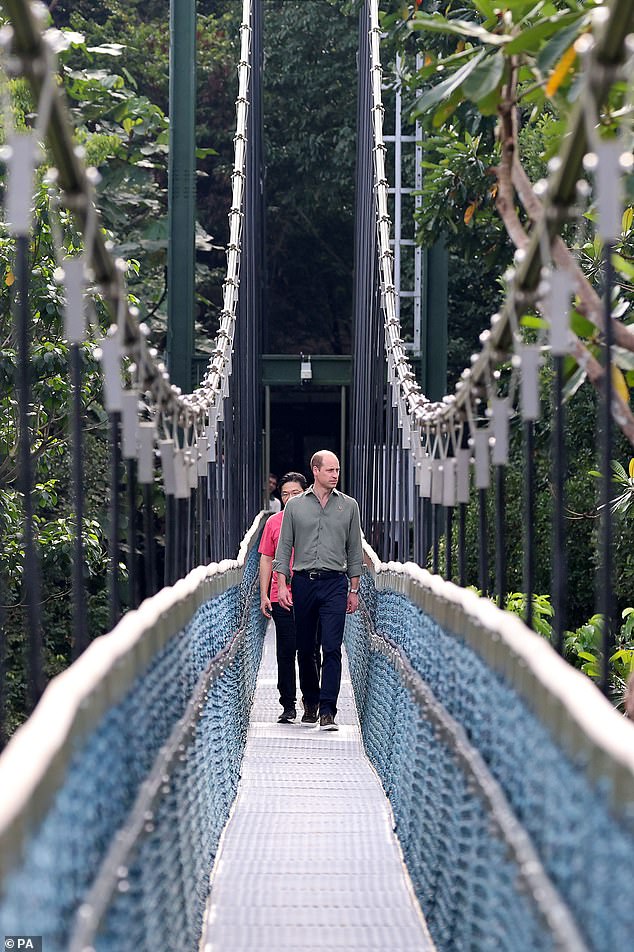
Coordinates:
(480, 792)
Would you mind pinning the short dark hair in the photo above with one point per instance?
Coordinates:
(293, 478)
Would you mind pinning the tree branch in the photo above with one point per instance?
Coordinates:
(590, 304)
(509, 174)
(507, 132)
(621, 412)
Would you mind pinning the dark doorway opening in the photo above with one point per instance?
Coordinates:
(302, 422)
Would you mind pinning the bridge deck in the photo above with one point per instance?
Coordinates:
(309, 859)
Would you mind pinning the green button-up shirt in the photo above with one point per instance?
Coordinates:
(322, 537)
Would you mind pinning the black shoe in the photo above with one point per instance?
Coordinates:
(327, 723)
(310, 715)
(287, 716)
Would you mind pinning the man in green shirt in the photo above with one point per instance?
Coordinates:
(322, 529)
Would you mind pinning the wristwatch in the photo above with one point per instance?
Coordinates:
(353, 591)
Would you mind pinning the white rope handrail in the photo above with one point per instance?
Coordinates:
(566, 701)
(32, 765)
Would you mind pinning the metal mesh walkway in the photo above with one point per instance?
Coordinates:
(308, 858)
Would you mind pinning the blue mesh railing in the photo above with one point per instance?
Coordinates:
(511, 778)
(117, 789)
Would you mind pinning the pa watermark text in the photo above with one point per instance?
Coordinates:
(31, 942)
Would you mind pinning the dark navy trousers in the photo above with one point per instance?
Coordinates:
(285, 654)
(285, 651)
(320, 602)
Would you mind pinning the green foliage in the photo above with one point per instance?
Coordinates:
(310, 137)
(119, 74)
(310, 81)
(581, 512)
(583, 646)
(108, 138)
(590, 253)
(458, 197)
(539, 142)
(53, 523)
(517, 603)
(620, 504)
(113, 65)
(537, 34)
(55, 536)
(124, 135)
(468, 54)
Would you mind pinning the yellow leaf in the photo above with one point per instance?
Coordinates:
(468, 215)
(620, 386)
(460, 46)
(561, 71)
(428, 60)
(9, 278)
(631, 468)
(627, 220)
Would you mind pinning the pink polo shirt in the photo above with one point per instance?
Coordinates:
(268, 545)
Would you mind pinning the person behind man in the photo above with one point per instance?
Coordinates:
(292, 484)
(322, 528)
(274, 503)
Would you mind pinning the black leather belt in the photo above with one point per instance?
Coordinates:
(313, 574)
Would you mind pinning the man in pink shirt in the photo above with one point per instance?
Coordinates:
(292, 484)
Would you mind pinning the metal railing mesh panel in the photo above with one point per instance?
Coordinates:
(476, 889)
(159, 896)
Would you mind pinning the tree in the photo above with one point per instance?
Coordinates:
(134, 140)
(107, 116)
(522, 68)
(496, 88)
(310, 93)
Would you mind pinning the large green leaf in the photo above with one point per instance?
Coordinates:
(532, 320)
(581, 326)
(442, 91)
(576, 379)
(529, 40)
(486, 7)
(489, 105)
(447, 61)
(439, 24)
(447, 109)
(485, 78)
(552, 52)
(623, 265)
(520, 8)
